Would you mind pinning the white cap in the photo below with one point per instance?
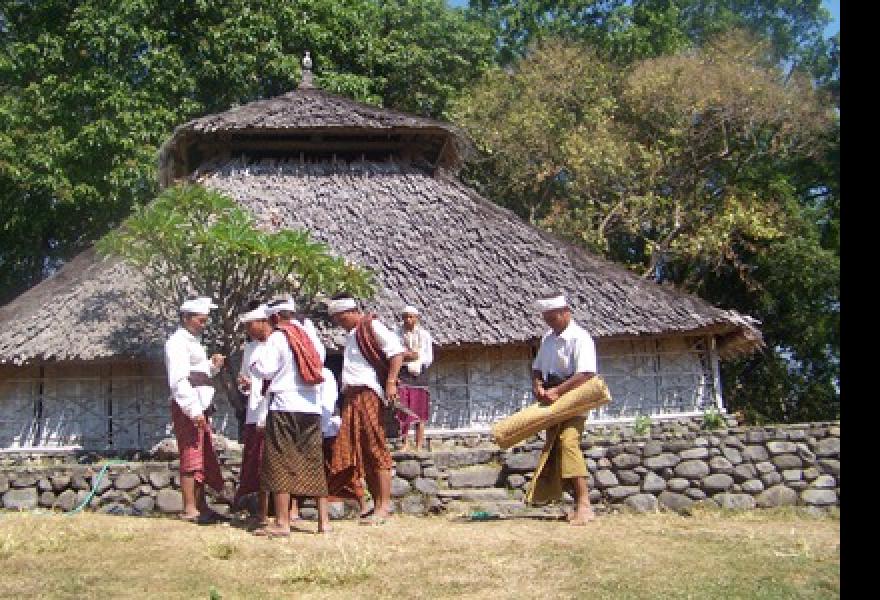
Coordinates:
(340, 305)
(545, 304)
(257, 314)
(410, 310)
(199, 306)
(287, 304)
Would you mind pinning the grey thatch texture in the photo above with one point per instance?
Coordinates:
(307, 110)
(471, 267)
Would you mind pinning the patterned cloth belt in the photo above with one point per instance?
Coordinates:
(197, 378)
(552, 380)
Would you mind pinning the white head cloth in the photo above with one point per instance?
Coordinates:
(545, 304)
(199, 306)
(257, 314)
(410, 310)
(340, 305)
(288, 304)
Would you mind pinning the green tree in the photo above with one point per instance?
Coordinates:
(694, 168)
(90, 89)
(630, 30)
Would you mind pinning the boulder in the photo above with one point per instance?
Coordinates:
(661, 461)
(20, 499)
(127, 481)
(169, 501)
(692, 469)
(408, 469)
(618, 493)
(818, 497)
(604, 478)
(676, 502)
(399, 487)
(735, 501)
(67, 500)
(653, 483)
(778, 495)
(642, 503)
(474, 477)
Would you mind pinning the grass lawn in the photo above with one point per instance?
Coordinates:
(712, 554)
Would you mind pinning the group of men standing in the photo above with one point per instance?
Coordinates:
(297, 442)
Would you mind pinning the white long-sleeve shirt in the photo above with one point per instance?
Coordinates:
(184, 353)
(258, 405)
(572, 351)
(273, 360)
(424, 345)
(328, 393)
(355, 368)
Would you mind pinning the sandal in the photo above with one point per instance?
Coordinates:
(372, 520)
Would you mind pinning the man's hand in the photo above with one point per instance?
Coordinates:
(551, 395)
(217, 360)
(244, 383)
(200, 421)
(390, 393)
(539, 392)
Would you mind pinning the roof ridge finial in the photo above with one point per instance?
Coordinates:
(306, 81)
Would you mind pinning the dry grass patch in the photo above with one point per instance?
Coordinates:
(760, 554)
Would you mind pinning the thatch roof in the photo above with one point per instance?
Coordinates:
(302, 119)
(471, 267)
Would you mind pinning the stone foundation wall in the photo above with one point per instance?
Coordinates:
(672, 467)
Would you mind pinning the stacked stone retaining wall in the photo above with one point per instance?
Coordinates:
(672, 467)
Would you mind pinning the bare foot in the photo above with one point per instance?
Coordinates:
(272, 531)
(580, 518)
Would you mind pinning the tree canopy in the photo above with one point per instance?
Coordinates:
(701, 168)
(89, 90)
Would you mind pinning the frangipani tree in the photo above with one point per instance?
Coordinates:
(192, 240)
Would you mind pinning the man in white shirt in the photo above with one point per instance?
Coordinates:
(290, 359)
(256, 322)
(565, 361)
(371, 364)
(414, 394)
(189, 379)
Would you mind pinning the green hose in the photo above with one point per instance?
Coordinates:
(95, 485)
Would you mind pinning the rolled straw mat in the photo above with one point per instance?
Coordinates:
(532, 419)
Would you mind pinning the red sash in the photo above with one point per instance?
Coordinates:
(308, 361)
(370, 349)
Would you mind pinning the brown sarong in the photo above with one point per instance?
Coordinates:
(345, 484)
(560, 459)
(197, 456)
(360, 446)
(293, 460)
(251, 460)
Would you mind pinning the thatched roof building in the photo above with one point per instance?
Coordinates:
(379, 188)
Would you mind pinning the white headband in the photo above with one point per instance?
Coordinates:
(286, 305)
(341, 305)
(410, 310)
(259, 313)
(545, 304)
(199, 306)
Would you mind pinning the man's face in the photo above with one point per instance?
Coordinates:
(258, 330)
(195, 324)
(410, 321)
(557, 319)
(346, 319)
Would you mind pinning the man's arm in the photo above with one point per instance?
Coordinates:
(575, 381)
(538, 387)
